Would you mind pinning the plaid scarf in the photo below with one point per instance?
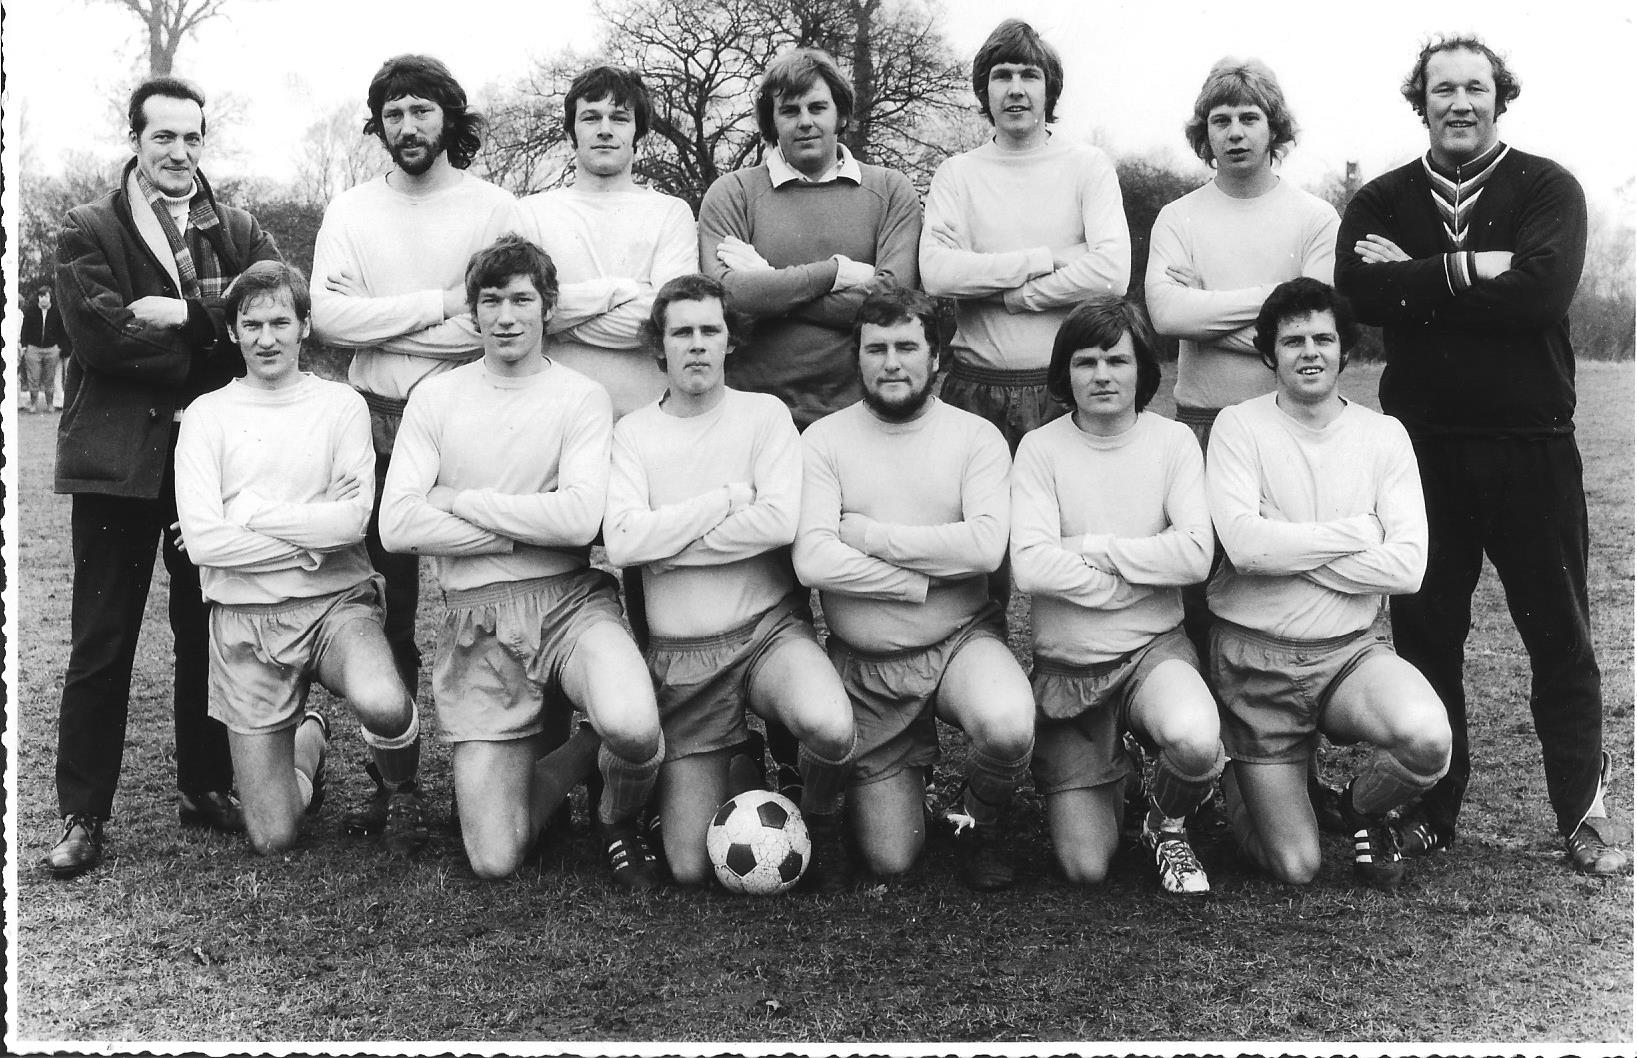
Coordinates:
(1455, 194)
(199, 266)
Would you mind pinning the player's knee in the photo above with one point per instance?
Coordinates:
(632, 738)
(384, 709)
(1004, 736)
(1082, 866)
(831, 734)
(1293, 866)
(494, 864)
(272, 838)
(689, 866)
(1423, 745)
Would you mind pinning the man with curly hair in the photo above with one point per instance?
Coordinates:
(1468, 258)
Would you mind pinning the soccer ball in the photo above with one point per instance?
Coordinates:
(758, 844)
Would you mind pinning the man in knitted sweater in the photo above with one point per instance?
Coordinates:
(1019, 231)
(387, 282)
(800, 239)
(274, 482)
(1468, 257)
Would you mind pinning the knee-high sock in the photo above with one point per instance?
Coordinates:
(1385, 784)
(626, 784)
(311, 746)
(399, 758)
(824, 782)
(990, 783)
(1176, 792)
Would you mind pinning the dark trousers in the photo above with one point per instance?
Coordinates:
(402, 574)
(1523, 504)
(113, 541)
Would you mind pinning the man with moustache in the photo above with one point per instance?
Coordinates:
(1469, 257)
(387, 282)
(904, 515)
(140, 274)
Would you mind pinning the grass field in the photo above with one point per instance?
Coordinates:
(188, 936)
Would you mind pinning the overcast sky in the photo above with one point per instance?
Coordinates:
(1132, 69)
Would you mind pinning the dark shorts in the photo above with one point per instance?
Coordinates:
(502, 646)
(703, 683)
(1081, 713)
(264, 656)
(894, 697)
(1015, 401)
(1274, 691)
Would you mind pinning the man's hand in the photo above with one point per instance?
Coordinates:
(155, 311)
(740, 494)
(1094, 550)
(851, 273)
(736, 254)
(1491, 263)
(454, 302)
(1063, 256)
(442, 497)
(1185, 277)
(852, 530)
(346, 284)
(1378, 249)
(176, 533)
(344, 488)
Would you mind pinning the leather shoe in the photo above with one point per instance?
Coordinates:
(78, 850)
(213, 808)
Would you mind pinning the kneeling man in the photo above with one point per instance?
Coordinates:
(274, 481)
(501, 471)
(1108, 524)
(703, 495)
(1317, 502)
(904, 515)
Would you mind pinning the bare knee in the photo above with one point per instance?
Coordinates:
(1293, 866)
(384, 710)
(272, 839)
(1082, 866)
(689, 866)
(493, 864)
(1423, 747)
(830, 734)
(1005, 736)
(890, 861)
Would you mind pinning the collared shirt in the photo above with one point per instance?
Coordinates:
(781, 172)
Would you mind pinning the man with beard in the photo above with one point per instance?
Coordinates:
(904, 514)
(141, 272)
(388, 281)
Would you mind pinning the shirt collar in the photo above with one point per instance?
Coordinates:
(1476, 165)
(782, 172)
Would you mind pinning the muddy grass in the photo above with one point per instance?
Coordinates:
(187, 936)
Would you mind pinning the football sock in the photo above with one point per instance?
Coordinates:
(561, 770)
(1176, 791)
(398, 758)
(784, 748)
(824, 782)
(626, 784)
(310, 747)
(990, 783)
(1385, 784)
(304, 788)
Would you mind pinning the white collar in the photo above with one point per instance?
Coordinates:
(782, 172)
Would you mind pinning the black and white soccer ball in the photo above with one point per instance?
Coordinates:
(758, 844)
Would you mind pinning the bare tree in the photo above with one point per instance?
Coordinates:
(168, 22)
(334, 154)
(703, 60)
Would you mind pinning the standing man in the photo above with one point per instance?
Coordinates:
(1019, 231)
(501, 471)
(904, 515)
(614, 243)
(1108, 524)
(273, 487)
(1469, 257)
(1318, 506)
(141, 273)
(42, 342)
(387, 282)
(799, 240)
(703, 498)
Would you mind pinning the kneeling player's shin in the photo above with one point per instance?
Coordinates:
(398, 758)
(824, 782)
(626, 784)
(990, 783)
(1175, 791)
(1385, 784)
